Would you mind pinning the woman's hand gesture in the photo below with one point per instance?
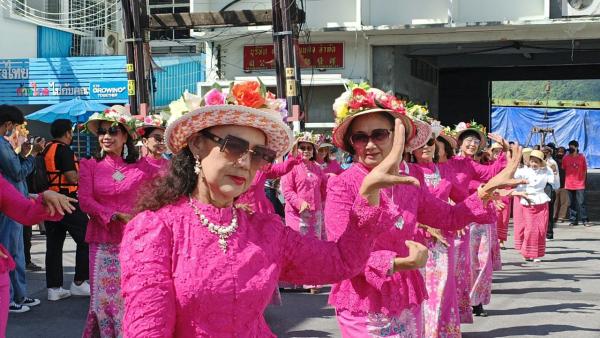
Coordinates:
(387, 173)
(505, 178)
(55, 202)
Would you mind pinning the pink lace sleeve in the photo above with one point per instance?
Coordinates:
(279, 169)
(308, 260)
(378, 267)
(439, 214)
(484, 173)
(288, 186)
(85, 193)
(20, 208)
(146, 281)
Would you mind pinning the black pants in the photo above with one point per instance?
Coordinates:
(272, 196)
(27, 234)
(550, 192)
(75, 224)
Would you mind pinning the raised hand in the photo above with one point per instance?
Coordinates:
(497, 138)
(56, 202)
(505, 178)
(387, 173)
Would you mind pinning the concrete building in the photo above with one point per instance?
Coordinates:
(442, 53)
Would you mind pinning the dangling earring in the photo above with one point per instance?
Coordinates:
(102, 153)
(198, 167)
(125, 151)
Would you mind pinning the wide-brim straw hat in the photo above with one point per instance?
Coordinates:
(526, 154)
(279, 135)
(115, 114)
(539, 155)
(422, 135)
(451, 140)
(340, 130)
(482, 137)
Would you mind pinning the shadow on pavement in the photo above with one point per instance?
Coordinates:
(521, 291)
(554, 308)
(531, 330)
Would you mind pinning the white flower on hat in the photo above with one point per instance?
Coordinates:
(461, 126)
(436, 128)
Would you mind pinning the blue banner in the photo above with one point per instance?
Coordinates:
(582, 125)
(111, 90)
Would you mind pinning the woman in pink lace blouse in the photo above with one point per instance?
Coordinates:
(108, 188)
(49, 206)
(197, 266)
(152, 134)
(385, 298)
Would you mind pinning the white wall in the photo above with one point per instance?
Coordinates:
(493, 10)
(18, 38)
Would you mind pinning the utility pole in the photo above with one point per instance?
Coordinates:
(278, 49)
(129, 52)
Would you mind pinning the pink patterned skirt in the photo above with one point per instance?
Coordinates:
(440, 310)
(462, 276)
(535, 219)
(481, 263)
(408, 324)
(105, 314)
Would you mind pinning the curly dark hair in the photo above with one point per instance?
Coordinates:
(181, 180)
(132, 153)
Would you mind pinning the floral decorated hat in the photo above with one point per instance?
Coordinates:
(116, 114)
(463, 127)
(247, 104)
(448, 134)
(423, 131)
(360, 100)
(154, 121)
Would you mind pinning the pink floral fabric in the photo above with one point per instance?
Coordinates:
(306, 182)
(101, 195)
(173, 267)
(481, 263)
(407, 324)
(255, 196)
(375, 289)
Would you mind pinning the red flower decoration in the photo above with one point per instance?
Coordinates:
(361, 99)
(248, 94)
(391, 102)
(468, 125)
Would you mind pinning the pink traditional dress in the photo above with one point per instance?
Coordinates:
(255, 196)
(379, 302)
(178, 281)
(331, 167)
(504, 219)
(24, 211)
(533, 220)
(161, 164)
(440, 310)
(105, 187)
(474, 249)
(305, 183)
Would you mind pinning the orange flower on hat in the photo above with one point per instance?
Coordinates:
(248, 94)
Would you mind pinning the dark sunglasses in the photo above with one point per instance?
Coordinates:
(112, 131)
(305, 148)
(237, 147)
(157, 138)
(377, 136)
(430, 142)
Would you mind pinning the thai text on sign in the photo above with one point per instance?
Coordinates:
(311, 55)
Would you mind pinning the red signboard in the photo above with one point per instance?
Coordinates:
(317, 55)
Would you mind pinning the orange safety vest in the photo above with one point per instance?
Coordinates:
(55, 176)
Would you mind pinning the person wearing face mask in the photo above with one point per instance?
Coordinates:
(153, 141)
(198, 266)
(15, 168)
(304, 189)
(386, 297)
(62, 168)
(575, 167)
(108, 187)
(561, 204)
(535, 207)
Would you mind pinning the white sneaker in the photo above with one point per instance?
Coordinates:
(80, 290)
(58, 294)
(17, 308)
(537, 260)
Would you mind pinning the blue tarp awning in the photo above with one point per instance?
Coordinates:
(582, 125)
